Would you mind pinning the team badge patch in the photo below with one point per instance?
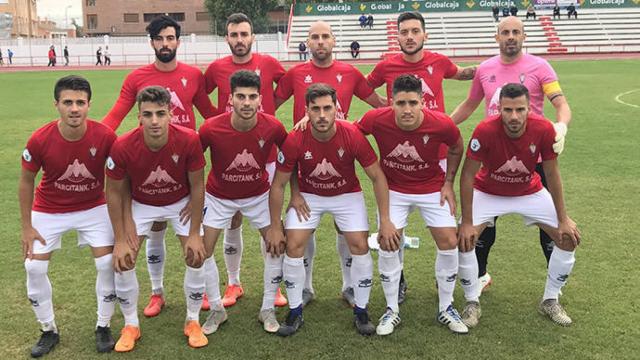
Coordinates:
(475, 144)
(339, 78)
(175, 158)
(110, 164)
(425, 139)
(430, 69)
(257, 71)
(340, 152)
(184, 82)
(522, 78)
(280, 157)
(93, 151)
(26, 155)
(308, 79)
(261, 143)
(308, 155)
(532, 148)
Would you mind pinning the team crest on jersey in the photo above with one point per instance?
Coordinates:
(280, 157)
(175, 158)
(475, 144)
(110, 164)
(308, 79)
(340, 152)
(532, 148)
(93, 151)
(261, 143)
(430, 69)
(492, 79)
(339, 78)
(308, 155)
(522, 78)
(184, 82)
(257, 71)
(26, 155)
(425, 139)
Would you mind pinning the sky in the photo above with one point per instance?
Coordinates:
(55, 10)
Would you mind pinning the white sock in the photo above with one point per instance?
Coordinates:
(271, 278)
(294, 277)
(127, 290)
(390, 269)
(468, 275)
(194, 291)
(309, 254)
(40, 293)
(446, 272)
(212, 282)
(345, 260)
(105, 290)
(156, 252)
(233, 253)
(362, 276)
(560, 266)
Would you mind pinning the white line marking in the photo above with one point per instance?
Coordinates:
(626, 93)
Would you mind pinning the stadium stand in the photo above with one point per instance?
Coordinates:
(471, 33)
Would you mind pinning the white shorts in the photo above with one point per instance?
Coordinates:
(145, 215)
(349, 212)
(93, 227)
(434, 215)
(535, 208)
(271, 170)
(218, 212)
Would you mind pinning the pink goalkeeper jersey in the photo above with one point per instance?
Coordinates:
(531, 71)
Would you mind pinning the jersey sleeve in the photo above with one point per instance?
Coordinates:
(284, 90)
(549, 79)
(281, 135)
(478, 145)
(32, 155)
(116, 162)
(277, 69)
(365, 154)
(210, 79)
(204, 134)
(376, 77)
(123, 105)
(451, 132)
(288, 155)
(476, 92)
(450, 69)
(202, 101)
(362, 88)
(196, 160)
(365, 124)
(548, 138)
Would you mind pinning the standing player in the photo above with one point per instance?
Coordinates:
(240, 38)
(241, 142)
(498, 178)
(156, 173)
(348, 81)
(430, 68)
(186, 85)
(409, 137)
(71, 152)
(325, 158)
(514, 66)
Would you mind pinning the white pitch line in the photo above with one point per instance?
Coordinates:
(617, 98)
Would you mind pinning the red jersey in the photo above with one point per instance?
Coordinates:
(238, 158)
(185, 84)
(508, 165)
(409, 159)
(345, 78)
(327, 168)
(73, 171)
(219, 72)
(160, 177)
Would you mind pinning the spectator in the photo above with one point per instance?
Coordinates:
(65, 52)
(10, 55)
(571, 10)
(107, 56)
(355, 49)
(505, 11)
(363, 21)
(52, 56)
(513, 9)
(99, 56)
(302, 48)
(531, 12)
(496, 12)
(556, 11)
(370, 21)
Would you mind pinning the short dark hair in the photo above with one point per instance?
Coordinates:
(411, 15)
(160, 23)
(407, 83)
(154, 94)
(238, 18)
(72, 82)
(244, 78)
(317, 90)
(513, 90)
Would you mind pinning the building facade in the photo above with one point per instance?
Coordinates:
(21, 13)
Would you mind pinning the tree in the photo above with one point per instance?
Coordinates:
(254, 9)
(79, 29)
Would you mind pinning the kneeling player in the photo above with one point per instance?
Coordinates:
(156, 173)
(409, 137)
(327, 182)
(507, 146)
(240, 143)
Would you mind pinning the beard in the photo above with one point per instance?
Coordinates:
(418, 49)
(241, 51)
(165, 57)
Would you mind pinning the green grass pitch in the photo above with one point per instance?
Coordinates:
(600, 168)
